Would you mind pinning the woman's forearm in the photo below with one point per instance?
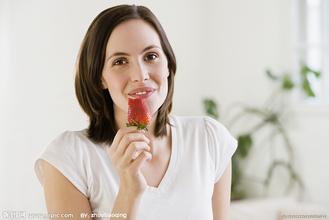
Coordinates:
(125, 206)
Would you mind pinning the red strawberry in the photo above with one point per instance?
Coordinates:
(138, 113)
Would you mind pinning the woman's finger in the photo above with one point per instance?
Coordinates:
(134, 150)
(129, 138)
(119, 135)
(136, 164)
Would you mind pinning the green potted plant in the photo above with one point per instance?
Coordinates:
(270, 116)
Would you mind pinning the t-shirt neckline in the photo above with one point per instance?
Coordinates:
(171, 170)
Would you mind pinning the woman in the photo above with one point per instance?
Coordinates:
(179, 168)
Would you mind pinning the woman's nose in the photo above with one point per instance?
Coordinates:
(139, 72)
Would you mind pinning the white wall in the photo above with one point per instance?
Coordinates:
(222, 48)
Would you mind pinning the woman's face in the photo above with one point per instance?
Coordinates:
(135, 60)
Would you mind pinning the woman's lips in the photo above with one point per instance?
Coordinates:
(141, 93)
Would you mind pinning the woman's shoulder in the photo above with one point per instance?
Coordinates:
(196, 121)
(68, 153)
(203, 127)
(71, 142)
(70, 136)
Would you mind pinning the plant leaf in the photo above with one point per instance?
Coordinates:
(307, 70)
(307, 88)
(236, 171)
(270, 74)
(317, 74)
(211, 108)
(304, 70)
(245, 143)
(287, 83)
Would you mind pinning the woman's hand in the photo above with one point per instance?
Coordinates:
(128, 151)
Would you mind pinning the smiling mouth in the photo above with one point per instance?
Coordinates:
(141, 94)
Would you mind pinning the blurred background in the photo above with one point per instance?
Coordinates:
(261, 67)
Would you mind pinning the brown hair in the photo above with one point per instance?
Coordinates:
(96, 101)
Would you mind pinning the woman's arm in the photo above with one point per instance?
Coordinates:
(222, 195)
(61, 195)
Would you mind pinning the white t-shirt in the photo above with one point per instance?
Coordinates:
(201, 150)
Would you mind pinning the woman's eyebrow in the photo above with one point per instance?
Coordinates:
(118, 54)
(126, 54)
(150, 47)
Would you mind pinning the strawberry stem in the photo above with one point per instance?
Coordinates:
(138, 125)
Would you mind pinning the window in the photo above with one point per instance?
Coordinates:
(312, 44)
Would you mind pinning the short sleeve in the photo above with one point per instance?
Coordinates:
(222, 146)
(66, 155)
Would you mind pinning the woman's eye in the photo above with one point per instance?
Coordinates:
(119, 62)
(151, 56)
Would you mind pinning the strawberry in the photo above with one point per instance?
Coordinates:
(138, 113)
